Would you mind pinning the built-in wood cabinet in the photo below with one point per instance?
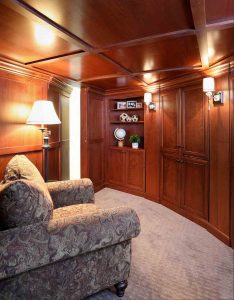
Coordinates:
(126, 168)
(116, 166)
(184, 151)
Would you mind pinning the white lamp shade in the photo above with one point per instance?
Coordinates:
(43, 112)
(147, 98)
(208, 84)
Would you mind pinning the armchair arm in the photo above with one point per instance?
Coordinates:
(69, 192)
(29, 247)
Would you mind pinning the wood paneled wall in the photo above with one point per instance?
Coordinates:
(17, 94)
(93, 137)
(198, 142)
(152, 135)
(220, 161)
(232, 151)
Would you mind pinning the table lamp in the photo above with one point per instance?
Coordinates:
(43, 113)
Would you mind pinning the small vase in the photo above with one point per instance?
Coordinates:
(120, 143)
(135, 145)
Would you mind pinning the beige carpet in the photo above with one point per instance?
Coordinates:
(173, 258)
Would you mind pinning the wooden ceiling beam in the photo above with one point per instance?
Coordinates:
(220, 25)
(57, 58)
(199, 19)
(32, 14)
(104, 77)
(120, 67)
(148, 39)
(167, 70)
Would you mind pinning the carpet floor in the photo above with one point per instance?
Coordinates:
(172, 258)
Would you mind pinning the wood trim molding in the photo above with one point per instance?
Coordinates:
(199, 19)
(20, 149)
(20, 69)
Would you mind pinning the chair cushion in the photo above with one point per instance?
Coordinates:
(72, 210)
(20, 167)
(24, 202)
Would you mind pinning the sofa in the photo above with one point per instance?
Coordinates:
(55, 243)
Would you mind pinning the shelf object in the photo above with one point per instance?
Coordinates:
(126, 109)
(127, 123)
(130, 127)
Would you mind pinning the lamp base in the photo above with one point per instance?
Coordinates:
(45, 147)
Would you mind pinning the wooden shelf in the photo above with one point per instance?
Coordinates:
(127, 109)
(127, 123)
(126, 148)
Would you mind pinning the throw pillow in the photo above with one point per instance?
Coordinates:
(24, 202)
(20, 167)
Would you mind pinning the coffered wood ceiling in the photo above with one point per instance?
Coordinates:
(113, 44)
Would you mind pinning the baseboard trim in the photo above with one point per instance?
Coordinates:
(99, 187)
(126, 190)
(220, 235)
(151, 198)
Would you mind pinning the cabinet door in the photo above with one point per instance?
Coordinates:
(170, 121)
(135, 170)
(195, 181)
(116, 167)
(170, 179)
(194, 122)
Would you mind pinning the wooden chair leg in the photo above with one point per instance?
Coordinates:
(121, 287)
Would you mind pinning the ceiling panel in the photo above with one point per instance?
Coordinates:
(115, 83)
(24, 40)
(219, 10)
(151, 78)
(101, 22)
(220, 43)
(171, 53)
(80, 67)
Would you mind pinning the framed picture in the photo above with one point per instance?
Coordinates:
(139, 105)
(131, 104)
(121, 105)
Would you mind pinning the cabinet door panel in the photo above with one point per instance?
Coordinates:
(195, 182)
(96, 166)
(116, 167)
(170, 121)
(194, 122)
(135, 166)
(170, 180)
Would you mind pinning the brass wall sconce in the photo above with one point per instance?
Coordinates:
(148, 101)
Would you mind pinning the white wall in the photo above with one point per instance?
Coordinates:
(74, 131)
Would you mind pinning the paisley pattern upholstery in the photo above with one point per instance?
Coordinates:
(71, 192)
(20, 167)
(71, 279)
(29, 247)
(72, 210)
(23, 202)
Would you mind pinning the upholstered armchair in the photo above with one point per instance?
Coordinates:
(54, 242)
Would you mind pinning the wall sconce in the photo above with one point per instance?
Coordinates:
(148, 101)
(209, 89)
(43, 113)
